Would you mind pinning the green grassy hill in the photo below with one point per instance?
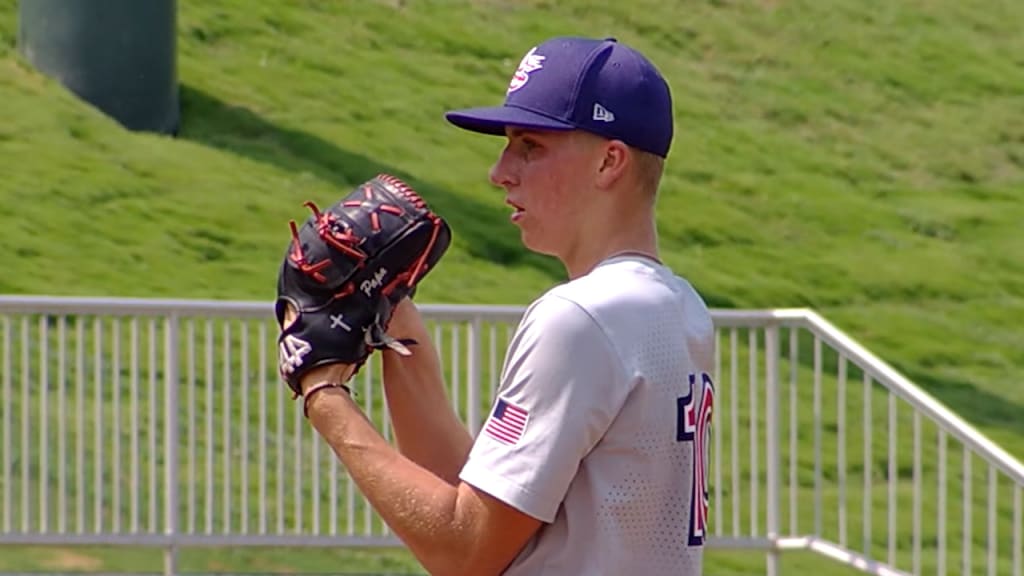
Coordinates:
(863, 158)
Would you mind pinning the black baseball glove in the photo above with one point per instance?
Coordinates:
(345, 270)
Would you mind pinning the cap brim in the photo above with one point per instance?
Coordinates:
(494, 120)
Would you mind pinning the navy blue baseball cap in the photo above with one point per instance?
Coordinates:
(598, 85)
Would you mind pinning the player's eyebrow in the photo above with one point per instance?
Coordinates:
(517, 132)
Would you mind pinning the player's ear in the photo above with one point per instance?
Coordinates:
(614, 163)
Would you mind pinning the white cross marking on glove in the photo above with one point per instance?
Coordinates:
(337, 320)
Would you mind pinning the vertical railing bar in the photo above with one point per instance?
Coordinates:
(893, 477)
(298, 474)
(817, 436)
(115, 389)
(379, 365)
(1018, 530)
(716, 427)
(226, 410)
(867, 479)
(439, 344)
(509, 333)
(44, 423)
(755, 489)
(965, 525)
(315, 472)
(456, 368)
(385, 531)
(773, 460)
(153, 425)
(385, 411)
(473, 377)
(334, 495)
(80, 369)
(385, 422)
(172, 432)
(993, 536)
(135, 427)
(192, 432)
(261, 363)
(841, 446)
(493, 374)
(243, 327)
(62, 424)
(734, 429)
(210, 436)
(793, 345)
(918, 471)
(6, 423)
(26, 431)
(98, 422)
(368, 408)
(279, 480)
(941, 540)
(350, 505)
(350, 499)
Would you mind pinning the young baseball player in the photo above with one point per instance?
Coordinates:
(593, 459)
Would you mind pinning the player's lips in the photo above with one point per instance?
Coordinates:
(519, 210)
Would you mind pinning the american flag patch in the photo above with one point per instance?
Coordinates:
(507, 422)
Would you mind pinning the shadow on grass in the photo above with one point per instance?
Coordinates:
(976, 406)
(212, 122)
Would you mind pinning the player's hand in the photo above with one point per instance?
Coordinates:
(338, 372)
(343, 272)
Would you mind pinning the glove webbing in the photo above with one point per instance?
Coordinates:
(411, 195)
(348, 241)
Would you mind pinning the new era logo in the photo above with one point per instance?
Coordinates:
(602, 114)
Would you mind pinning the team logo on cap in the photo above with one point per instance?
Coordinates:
(530, 63)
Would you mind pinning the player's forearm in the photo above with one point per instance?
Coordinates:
(423, 510)
(427, 429)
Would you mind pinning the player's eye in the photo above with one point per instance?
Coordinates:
(529, 145)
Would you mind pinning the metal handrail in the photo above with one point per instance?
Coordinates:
(223, 308)
(767, 321)
(881, 371)
(889, 377)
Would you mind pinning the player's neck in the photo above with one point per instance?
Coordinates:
(636, 235)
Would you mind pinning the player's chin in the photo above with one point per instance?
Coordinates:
(535, 242)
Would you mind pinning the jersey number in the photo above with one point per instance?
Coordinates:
(694, 425)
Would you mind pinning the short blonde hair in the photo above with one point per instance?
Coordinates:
(648, 170)
(647, 167)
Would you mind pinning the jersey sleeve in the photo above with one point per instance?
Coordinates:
(562, 386)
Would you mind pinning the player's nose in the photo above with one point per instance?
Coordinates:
(501, 173)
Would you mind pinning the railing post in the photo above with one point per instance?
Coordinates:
(171, 424)
(772, 457)
(474, 368)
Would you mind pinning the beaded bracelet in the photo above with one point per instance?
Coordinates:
(318, 387)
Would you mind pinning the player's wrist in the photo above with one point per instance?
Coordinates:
(321, 388)
(339, 373)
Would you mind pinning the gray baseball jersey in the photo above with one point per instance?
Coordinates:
(601, 422)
